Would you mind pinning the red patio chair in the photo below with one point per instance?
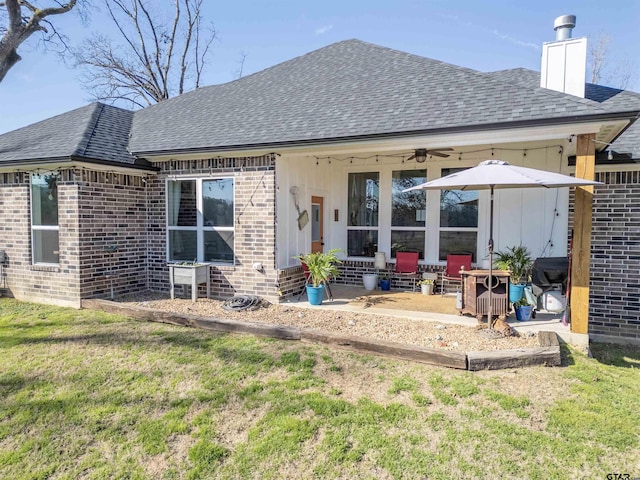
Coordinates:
(407, 266)
(455, 263)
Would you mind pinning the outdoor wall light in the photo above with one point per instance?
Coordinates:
(609, 154)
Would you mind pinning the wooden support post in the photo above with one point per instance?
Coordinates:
(582, 218)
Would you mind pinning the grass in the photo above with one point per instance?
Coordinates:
(90, 395)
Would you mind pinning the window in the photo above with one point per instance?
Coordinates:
(363, 203)
(458, 220)
(44, 219)
(200, 220)
(408, 212)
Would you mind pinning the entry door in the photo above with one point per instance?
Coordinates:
(317, 225)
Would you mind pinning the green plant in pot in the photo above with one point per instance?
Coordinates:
(321, 268)
(385, 282)
(523, 309)
(426, 286)
(517, 260)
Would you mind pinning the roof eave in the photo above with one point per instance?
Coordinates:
(34, 162)
(629, 116)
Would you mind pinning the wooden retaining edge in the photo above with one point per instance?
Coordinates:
(205, 323)
(415, 353)
(547, 354)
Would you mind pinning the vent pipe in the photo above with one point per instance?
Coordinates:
(564, 26)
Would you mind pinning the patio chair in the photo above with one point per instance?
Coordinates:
(307, 281)
(407, 266)
(455, 263)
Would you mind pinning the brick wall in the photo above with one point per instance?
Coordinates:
(95, 210)
(112, 227)
(47, 284)
(615, 257)
(254, 190)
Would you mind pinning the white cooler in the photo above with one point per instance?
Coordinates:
(553, 301)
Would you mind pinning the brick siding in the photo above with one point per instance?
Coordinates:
(48, 284)
(95, 210)
(254, 190)
(112, 228)
(615, 257)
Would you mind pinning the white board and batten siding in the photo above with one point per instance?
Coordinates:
(535, 217)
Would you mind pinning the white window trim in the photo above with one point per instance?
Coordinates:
(200, 228)
(41, 228)
(364, 169)
(432, 226)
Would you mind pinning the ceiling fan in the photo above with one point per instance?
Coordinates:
(420, 154)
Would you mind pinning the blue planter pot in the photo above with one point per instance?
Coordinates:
(516, 292)
(385, 284)
(315, 294)
(523, 314)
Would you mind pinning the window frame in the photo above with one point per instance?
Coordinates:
(409, 228)
(41, 228)
(364, 228)
(441, 229)
(200, 228)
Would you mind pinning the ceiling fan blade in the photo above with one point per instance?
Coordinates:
(410, 158)
(437, 154)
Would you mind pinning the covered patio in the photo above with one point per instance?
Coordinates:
(355, 299)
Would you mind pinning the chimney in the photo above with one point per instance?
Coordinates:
(564, 61)
(564, 26)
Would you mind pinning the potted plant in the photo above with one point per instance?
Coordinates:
(517, 260)
(523, 309)
(321, 268)
(426, 286)
(385, 282)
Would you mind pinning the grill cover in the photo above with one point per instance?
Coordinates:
(549, 271)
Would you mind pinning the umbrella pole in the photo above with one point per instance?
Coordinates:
(490, 309)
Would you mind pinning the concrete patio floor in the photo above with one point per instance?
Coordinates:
(343, 296)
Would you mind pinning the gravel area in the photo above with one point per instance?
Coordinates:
(402, 330)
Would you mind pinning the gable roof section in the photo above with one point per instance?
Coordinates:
(349, 89)
(628, 143)
(95, 132)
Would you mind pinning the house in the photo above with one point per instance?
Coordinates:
(314, 153)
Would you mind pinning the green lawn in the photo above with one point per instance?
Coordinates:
(90, 395)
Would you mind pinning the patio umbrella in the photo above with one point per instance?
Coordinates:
(493, 174)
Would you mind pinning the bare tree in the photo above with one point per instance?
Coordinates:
(154, 59)
(19, 20)
(238, 73)
(603, 70)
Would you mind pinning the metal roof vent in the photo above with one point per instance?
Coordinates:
(564, 26)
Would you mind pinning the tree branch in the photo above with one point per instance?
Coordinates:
(144, 66)
(22, 26)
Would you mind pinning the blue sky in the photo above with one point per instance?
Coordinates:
(483, 35)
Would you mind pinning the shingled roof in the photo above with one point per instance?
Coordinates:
(627, 144)
(349, 89)
(95, 132)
